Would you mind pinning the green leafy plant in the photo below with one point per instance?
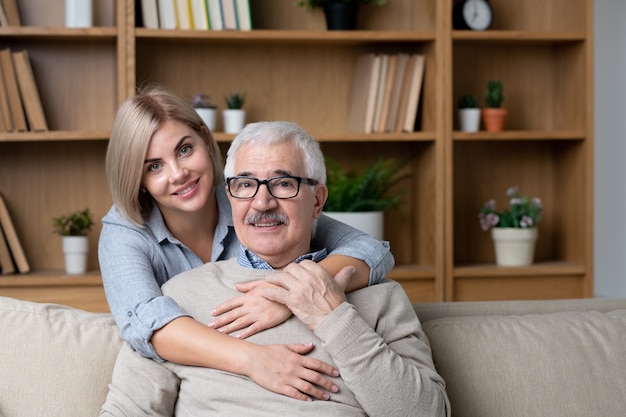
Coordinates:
(315, 4)
(202, 101)
(468, 101)
(366, 190)
(78, 223)
(235, 100)
(524, 212)
(494, 95)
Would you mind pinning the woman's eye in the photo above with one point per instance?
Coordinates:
(154, 167)
(185, 149)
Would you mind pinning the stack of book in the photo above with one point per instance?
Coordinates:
(20, 105)
(12, 257)
(194, 14)
(385, 95)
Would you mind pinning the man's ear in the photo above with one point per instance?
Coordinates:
(321, 194)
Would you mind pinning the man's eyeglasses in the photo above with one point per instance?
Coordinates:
(284, 186)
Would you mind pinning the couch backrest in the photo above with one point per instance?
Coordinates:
(531, 358)
(55, 360)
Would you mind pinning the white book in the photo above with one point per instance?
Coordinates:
(215, 14)
(150, 14)
(229, 15)
(199, 14)
(167, 14)
(183, 14)
(244, 20)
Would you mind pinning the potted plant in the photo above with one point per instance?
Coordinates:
(513, 230)
(205, 109)
(234, 115)
(469, 113)
(494, 115)
(73, 229)
(359, 197)
(340, 14)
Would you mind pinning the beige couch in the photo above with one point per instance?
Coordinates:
(499, 359)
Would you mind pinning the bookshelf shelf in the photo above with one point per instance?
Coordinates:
(292, 68)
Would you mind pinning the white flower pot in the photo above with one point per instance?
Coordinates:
(234, 120)
(469, 120)
(78, 13)
(75, 249)
(513, 246)
(370, 222)
(208, 116)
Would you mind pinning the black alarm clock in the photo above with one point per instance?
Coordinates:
(472, 14)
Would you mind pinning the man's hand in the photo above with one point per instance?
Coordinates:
(308, 290)
(251, 312)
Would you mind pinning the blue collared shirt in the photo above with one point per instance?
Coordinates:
(249, 259)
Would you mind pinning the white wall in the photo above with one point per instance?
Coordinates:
(610, 148)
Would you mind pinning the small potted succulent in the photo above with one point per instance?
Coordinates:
(360, 197)
(494, 115)
(469, 113)
(205, 109)
(73, 229)
(340, 14)
(235, 114)
(513, 230)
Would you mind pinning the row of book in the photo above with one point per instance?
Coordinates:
(194, 14)
(9, 13)
(385, 95)
(20, 105)
(12, 257)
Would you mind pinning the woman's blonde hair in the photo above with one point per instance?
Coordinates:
(136, 121)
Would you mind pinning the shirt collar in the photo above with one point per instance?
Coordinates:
(249, 259)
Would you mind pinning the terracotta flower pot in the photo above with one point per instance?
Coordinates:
(494, 118)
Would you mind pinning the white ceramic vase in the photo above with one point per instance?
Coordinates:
(370, 222)
(208, 115)
(514, 246)
(234, 120)
(75, 249)
(78, 13)
(469, 120)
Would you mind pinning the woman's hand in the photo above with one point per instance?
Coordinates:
(250, 312)
(300, 377)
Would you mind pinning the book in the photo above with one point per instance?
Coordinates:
(380, 92)
(5, 108)
(3, 17)
(370, 105)
(6, 261)
(244, 20)
(396, 89)
(214, 8)
(229, 16)
(13, 92)
(404, 94)
(167, 14)
(150, 14)
(200, 15)
(12, 12)
(388, 83)
(361, 81)
(29, 92)
(11, 236)
(415, 89)
(183, 14)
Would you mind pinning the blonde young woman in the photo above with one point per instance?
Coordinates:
(171, 214)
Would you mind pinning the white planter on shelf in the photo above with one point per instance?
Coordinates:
(370, 222)
(75, 249)
(234, 120)
(514, 246)
(78, 13)
(469, 119)
(209, 116)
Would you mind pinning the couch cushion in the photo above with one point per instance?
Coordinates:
(55, 360)
(558, 364)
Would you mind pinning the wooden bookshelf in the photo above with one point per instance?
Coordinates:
(292, 68)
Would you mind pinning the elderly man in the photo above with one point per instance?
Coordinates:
(275, 181)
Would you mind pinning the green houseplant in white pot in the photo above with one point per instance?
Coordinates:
(73, 229)
(360, 197)
(513, 230)
(339, 14)
(206, 110)
(234, 115)
(469, 113)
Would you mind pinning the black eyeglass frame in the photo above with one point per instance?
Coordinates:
(300, 180)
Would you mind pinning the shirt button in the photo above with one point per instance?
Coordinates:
(129, 314)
